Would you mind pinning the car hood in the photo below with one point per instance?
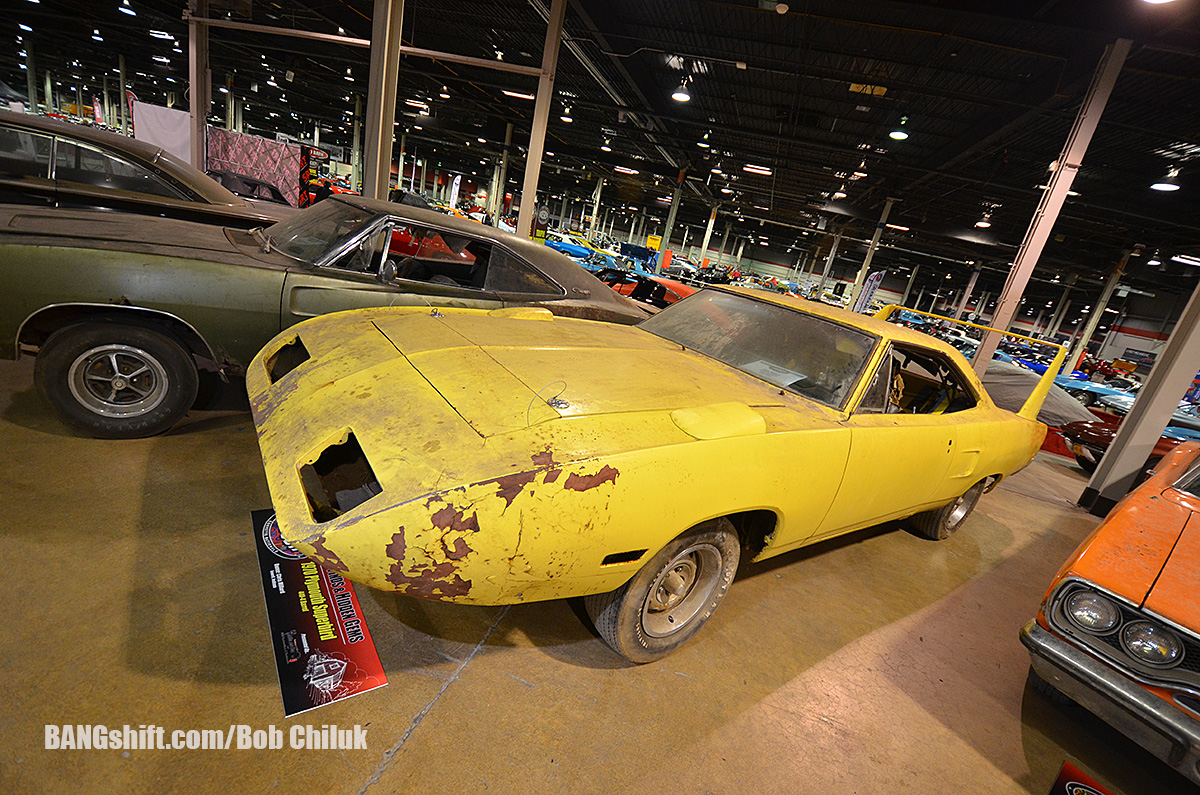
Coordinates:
(1174, 593)
(504, 372)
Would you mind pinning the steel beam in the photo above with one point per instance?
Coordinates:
(1157, 400)
(541, 117)
(871, 249)
(1042, 223)
(199, 96)
(1095, 313)
(386, 21)
(966, 296)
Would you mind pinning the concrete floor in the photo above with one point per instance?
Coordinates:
(873, 664)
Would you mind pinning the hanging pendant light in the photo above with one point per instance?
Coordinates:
(900, 133)
(1168, 183)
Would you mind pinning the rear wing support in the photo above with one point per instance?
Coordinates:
(1033, 404)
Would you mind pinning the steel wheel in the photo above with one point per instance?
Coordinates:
(118, 380)
(681, 590)
(941, 523)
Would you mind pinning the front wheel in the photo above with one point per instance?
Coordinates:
(116, 381)
(940, 524)
(671, 597)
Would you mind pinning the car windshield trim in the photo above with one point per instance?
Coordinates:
(805, 353)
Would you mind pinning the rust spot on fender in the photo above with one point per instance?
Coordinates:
(458, 550)
(450, 519)
(326, 558)
(510, 486)
(440, 581)
(544, 459)
(552, 475)
(584, 482)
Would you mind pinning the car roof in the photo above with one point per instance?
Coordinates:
(147, 154)
(868, 323)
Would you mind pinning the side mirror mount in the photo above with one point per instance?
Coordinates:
(388, 271)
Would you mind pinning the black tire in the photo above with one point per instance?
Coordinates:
(940, 524)
(1086, 398)
(1086, 465)
(115, 381)
(647, 618)
(1052, 693)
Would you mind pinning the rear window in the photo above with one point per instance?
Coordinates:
(23, 153)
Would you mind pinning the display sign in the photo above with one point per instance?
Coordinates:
(654, 242)
(130, 98)
(541, 222)
(311, 159)
(870, 286)
(1139, 358)
(97, 110)
(454, 190)
(1072, 781)
(323, 649)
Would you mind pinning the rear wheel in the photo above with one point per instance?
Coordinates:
(671, 597)
(1086, 398)
(116, 381)
(940, 524)
(1086, 465)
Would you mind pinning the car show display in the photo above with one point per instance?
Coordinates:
(601, 397)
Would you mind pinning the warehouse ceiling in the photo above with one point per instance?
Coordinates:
(806, 94)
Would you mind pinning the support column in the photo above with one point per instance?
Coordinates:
(541, 118)
(712, 219)
(503, 181)
(356, 146)
(386, 20)
(31, 80)
(908, 287)
(1055, 194)
(966, 296)
(1096, 313)
(199, 89)
(1059, 311)
(49, 89)
(1157, 400)
(562, 214)
(920, 297)
(121, 99)
(724, 240)
(676, 197)
(79, 101)
(737, 257)
(229, 103)
(837, 240)
(862, 272)
(595, 208)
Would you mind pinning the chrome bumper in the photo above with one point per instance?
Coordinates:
(1163, 729)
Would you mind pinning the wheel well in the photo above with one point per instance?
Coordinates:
(38, 327)
(754, 528)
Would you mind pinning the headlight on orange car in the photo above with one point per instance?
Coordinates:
(1151, 643)
(1091, 612)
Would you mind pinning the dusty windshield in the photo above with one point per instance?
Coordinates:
(320, 229)
(799, 352)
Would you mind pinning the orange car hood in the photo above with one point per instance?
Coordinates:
(1148, 550)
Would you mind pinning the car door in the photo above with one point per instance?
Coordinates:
(352, 279)
(905, 439)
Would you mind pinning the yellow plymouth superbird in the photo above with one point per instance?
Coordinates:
(513, 456)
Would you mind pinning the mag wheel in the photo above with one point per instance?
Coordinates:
(116, 381)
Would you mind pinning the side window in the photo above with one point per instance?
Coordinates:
(366, 255)
(929, 383)
(508, 273)
(88, 166)
(24, 154)
(884, 393)
(425, 254)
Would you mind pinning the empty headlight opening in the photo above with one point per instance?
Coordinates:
(286, 359)
(340, 479)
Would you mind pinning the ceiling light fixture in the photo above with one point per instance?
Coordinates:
(840, 193)
(861, 171)
(682, 94)
(1168, 183)
(900, 133)
(703, 142)
(985, 221)
(96, 35)
(624, 170)
(753, 169)
(717, 169)
(566, 114)
(898, 227)
(517, 95)
(726, 190)
(606, 146)
(125, 9)
(445, 93)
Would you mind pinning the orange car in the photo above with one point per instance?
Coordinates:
(1119, 630)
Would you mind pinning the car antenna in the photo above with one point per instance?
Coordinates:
(555, 402)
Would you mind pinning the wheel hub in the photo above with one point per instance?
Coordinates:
(681, 590)
(116, 380)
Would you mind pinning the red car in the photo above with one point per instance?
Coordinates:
(654, 290)
(1089, 440)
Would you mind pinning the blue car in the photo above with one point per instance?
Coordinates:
(1089, 392)
(1185, 422)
